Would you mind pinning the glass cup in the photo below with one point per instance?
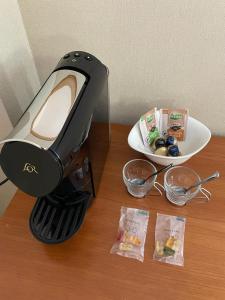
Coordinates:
(140, 169)
(180, 177)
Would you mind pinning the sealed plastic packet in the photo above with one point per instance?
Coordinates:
(169, 239)
(131, 235)
(149, 128)
(174, 122)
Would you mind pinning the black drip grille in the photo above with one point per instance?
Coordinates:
(55, 219)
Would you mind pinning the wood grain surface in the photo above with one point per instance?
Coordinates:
(83, 268)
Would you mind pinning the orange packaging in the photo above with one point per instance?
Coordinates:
(174, 122)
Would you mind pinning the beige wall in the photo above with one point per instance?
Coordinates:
(159, 52)
(18, 76)
(19, 80)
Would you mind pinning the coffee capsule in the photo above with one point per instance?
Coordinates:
(173, 150)
(159, 142)
(161, 151)
(170, 140)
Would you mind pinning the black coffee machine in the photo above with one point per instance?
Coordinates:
(58, 149)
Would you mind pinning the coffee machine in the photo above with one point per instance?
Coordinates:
(57, 151)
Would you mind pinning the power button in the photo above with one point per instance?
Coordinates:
(88, 57)
(66, 56)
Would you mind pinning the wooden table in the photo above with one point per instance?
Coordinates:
(83, 268)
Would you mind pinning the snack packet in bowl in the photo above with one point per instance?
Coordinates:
(173, 122)
(149, 127)
(169, 239)
(131, 235)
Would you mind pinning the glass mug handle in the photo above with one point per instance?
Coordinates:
(158, 187)
(206, 195)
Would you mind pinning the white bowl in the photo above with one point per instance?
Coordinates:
(198, 136)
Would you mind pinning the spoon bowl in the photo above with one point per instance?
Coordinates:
(183, 190)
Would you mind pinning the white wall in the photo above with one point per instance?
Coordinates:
(19, 80)
(168, 53)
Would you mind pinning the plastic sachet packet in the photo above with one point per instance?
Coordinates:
(149, 128)
(173, 122)
(131, 235)
(169, 239)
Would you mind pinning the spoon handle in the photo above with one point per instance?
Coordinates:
(211, 177)
(160, 170)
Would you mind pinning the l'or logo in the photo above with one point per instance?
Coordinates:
(29, 168)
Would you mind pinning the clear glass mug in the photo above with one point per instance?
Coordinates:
(183, 177)
(140, 169)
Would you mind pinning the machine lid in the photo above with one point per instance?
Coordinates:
(45, 117)
(51, 117)
(32, 169)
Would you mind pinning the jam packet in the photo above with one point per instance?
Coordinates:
(173, 122)
(169, 239)
(131, 235)
(149, 127)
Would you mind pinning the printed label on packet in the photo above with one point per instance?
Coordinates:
(149, 127)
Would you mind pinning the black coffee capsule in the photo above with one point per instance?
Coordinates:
(158, 143)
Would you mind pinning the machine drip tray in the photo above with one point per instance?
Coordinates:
(55, 218)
